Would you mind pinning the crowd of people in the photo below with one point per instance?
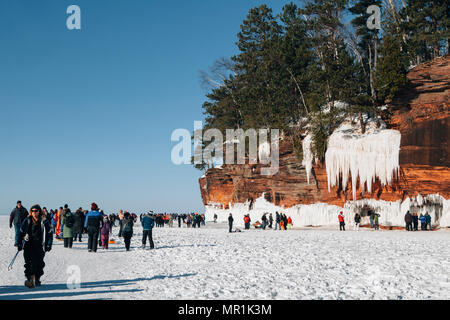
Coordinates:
(35, 231)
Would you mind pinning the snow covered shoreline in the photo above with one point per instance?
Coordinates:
(210, 263)
(323, 214)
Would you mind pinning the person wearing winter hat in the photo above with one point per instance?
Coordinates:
(35, 238)
(93, 223)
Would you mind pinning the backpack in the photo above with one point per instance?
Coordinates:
(127, 226)
(70, 221)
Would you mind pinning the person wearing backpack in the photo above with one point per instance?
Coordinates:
(93, 223)
(148, 222)
(67, 221)
(127, 230)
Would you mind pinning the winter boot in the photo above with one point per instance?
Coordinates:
(37, 282)
(29, 283)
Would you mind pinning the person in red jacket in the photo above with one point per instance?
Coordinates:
(341, 221)
(247, 222)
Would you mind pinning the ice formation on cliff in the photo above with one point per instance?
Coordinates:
(323, 214)
(264, 150)
(307, 155)
(367, 156)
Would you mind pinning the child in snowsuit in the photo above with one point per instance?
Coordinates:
(105, 232)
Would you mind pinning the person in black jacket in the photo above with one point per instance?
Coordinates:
(18, 215)
(230, 222)
(127, 231)
(408, 221)
(78, 225)
(36, 235)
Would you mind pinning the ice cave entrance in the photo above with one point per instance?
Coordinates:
(434, 207)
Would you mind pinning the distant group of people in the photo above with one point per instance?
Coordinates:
(412, 221)
(282, 222)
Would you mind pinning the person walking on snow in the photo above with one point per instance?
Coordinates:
(230, 222)
(415, 220)
(120, 222)
(371, 218)
(93, 223)
(264, 221)
(423, 222)
(270, 221)
(105, 232)
(127, 231)
(78, 225)
(17, 216)
(38, 236)
(376, 221)
(428, 221)
(341, 221)
(408, 221)
(67, 221)
(277, 220)
(148, 222)
(285, 221)
(247, 222)
(357, 221)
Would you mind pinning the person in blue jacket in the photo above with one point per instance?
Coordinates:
(423, 222)
(148, 222)
(93, 223)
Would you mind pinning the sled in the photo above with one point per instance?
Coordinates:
(112, 241)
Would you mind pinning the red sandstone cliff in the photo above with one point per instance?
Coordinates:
(420, 112)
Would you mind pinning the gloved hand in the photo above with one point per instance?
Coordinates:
(19, 247)
(10, 225)
(47, 249)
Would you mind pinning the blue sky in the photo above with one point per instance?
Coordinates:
(87, 115)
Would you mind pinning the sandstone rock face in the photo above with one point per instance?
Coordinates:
(422, 115)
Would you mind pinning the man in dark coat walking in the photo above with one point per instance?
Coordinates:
(18, 215)
(230, 222)
(78, 225)
(38, 235)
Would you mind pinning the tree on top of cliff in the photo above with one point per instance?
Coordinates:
(292, 64)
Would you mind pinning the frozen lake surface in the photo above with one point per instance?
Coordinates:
(210, 263)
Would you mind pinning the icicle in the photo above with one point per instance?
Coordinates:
(367, 156)
(264, 150)
(307, 155)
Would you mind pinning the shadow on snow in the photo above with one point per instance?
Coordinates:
(21, 292)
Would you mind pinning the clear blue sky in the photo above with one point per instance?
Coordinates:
(88, 115)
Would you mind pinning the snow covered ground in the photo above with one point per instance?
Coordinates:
(210, 263)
